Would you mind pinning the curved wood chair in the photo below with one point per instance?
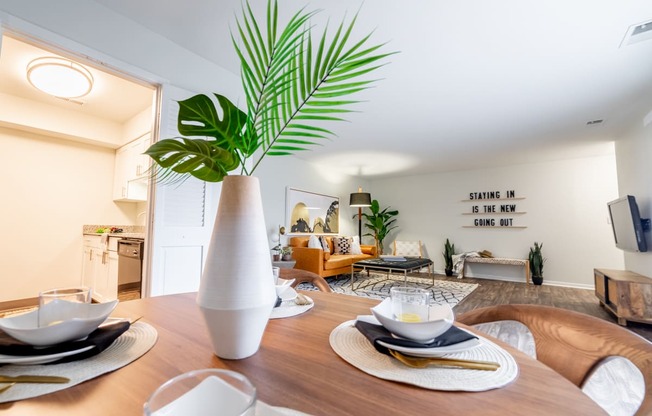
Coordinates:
(407, 248)
(574, 344)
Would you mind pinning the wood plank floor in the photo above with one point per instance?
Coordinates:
(495, 292)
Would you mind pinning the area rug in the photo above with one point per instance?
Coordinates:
(377, 286)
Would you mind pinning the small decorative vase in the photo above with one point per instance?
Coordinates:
(236, 291)
(287, 257)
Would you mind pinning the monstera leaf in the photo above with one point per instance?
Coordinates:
(208, 160)
(292, 84)
(197, 157)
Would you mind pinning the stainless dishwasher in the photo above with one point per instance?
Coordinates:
(130, 263)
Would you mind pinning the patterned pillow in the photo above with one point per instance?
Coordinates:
(313, 242)
(342, 245)
(324, 244)
(355, 245)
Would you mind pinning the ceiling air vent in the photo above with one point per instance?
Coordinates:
(637, 33)
(593, 122)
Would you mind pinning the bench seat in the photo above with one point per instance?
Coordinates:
(503, 261)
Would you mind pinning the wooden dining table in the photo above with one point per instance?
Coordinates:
(296, 368)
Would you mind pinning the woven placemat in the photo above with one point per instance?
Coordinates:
(134, 343)
(290, 308)
(354, 348)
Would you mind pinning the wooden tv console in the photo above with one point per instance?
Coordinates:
(626, 294)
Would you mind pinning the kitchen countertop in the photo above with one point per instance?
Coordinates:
(128, 231)
(120, 235)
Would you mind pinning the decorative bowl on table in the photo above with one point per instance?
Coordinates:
(61, 321)
(282, 285)
(440, 319)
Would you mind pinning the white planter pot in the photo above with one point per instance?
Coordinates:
(236, 292)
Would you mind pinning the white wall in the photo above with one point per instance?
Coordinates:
(38, 117)
(277, 173)
(634, 161)
(565, 205)
(51, 188)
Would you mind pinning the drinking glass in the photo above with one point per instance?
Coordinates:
(50, 301)
(409, 304)
(204, 392)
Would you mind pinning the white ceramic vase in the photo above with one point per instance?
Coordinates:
(236, 292)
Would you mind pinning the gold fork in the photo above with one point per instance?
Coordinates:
(423, 362)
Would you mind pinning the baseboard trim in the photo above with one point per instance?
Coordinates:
(545, 281)
(18, 304)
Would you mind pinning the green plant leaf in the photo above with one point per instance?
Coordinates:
(293, 84)
(197, 157)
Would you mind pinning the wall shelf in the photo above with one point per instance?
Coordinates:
(494, 226)
(493, 213)
(495, 199)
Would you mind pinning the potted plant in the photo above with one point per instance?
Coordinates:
(380, 223)
(276, 252)
(449, 250)
(286, 253)
(536, 263)
(294, 82)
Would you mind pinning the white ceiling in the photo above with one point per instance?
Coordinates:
(476, 84)
(112, 98)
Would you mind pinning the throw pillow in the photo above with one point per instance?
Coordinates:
(342, 245)
(324, 244)
(314, 242)
(355, 245)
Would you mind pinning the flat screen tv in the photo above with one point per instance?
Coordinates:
(627, 224)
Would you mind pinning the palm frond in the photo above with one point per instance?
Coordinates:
(294, 84)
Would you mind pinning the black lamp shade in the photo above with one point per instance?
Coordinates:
(360, 199)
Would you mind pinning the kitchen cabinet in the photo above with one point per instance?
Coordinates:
(132, 171)
(100, 267)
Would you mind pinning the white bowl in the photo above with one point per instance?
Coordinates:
(69, 321)
(440, 318)
(282, 285)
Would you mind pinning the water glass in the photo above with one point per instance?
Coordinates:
(69, 294)
(51, 314)
(204, 392)
(409, 304)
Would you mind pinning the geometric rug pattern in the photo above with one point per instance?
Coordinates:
(377, 286)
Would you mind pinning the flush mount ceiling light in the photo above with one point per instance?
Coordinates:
(59, 77)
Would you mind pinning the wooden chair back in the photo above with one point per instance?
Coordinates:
(573, 344)
(407, 248)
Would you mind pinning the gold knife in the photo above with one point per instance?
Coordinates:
(33, 379)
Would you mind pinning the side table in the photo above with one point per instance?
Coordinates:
(284, 264)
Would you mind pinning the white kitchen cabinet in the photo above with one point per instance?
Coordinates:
(132, 170)
(100, 268)
(88, 267)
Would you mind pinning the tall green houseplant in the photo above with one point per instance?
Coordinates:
(294, 84)
(449, 251)
(536, 263)
(380, 222)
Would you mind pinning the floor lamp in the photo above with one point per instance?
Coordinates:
(360, 199)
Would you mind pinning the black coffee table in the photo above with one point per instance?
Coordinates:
(390, 266)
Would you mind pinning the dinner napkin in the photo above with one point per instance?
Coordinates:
(100, 339)
(375, 333)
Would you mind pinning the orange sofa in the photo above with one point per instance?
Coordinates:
(325, 263)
